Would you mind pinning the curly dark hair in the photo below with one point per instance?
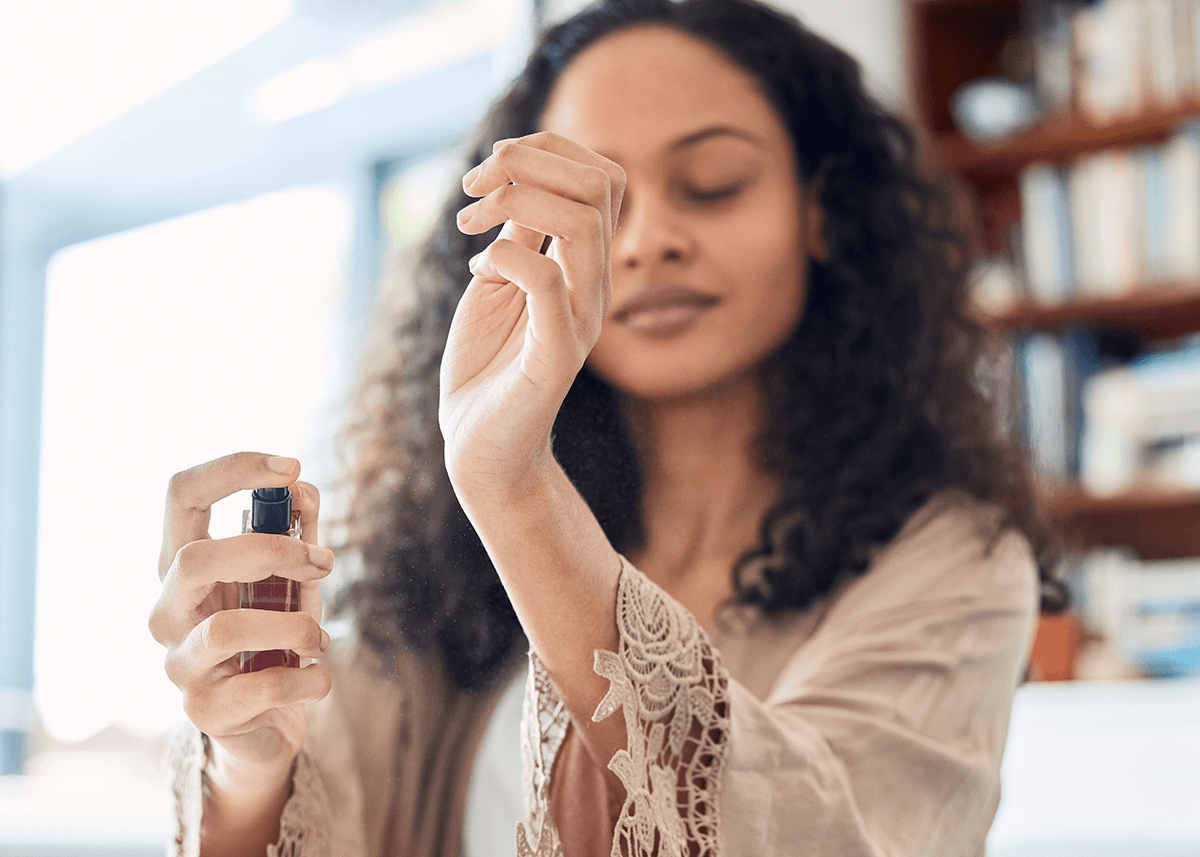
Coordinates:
(875, 401)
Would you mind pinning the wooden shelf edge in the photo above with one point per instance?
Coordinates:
(1074, 501)
(1161, 311)
(1058, 139)
(1155, 523)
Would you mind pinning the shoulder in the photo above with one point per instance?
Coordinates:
(955, 548)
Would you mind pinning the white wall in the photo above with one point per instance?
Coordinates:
(872, 31)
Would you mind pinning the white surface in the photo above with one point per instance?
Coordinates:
(1093, 769)
(1113, 766)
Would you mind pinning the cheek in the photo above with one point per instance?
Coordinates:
(765, 256)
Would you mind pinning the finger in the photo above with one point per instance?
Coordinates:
(307, 500)
(565, 147)
(191, 494)
(228, 705)
(245, 558)
(227, 633)
(539, 277)
(199, 565)
(519, 164)
(581, 247)
(537, 210)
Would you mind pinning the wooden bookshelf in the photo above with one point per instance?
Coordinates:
(1156, 524)
(1161, 311)
(954, 41)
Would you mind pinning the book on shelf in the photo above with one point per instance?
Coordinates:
(1132, 55)
(1047, 246)
(1112, 220)
(1053, 51)
(1141, 424)
(1052, 369)
(1091, 415)
(1147, 611)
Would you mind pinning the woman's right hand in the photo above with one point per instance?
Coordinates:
(255, 720)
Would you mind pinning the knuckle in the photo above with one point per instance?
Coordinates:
(594, 223)
(282, 548)
(197, 707)
(219, 632)
(187, 560)
(501, 249)
(310, 632)
(177, 487)
(505, 195)
(505, 155)
(242, 460)
(310, 494)
(324, 681)
(155, 621)
(173, 667)
(271, 691)
(598, 184)
(553, 272)
(617, 178)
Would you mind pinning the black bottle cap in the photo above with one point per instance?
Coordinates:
(271, 510)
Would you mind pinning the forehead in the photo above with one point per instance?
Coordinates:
(643, 89)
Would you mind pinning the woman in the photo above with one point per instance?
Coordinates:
(720, 331)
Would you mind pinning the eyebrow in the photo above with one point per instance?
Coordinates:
(714, 131)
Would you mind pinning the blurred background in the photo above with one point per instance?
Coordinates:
(191, 191)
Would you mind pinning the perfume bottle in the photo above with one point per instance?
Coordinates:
(270, 512)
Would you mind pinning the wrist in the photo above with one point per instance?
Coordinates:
(515, 488)
(245, 784)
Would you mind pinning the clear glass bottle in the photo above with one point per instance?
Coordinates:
(270, 512)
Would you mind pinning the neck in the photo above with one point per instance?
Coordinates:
(704, 491)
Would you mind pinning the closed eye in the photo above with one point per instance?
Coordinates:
(714, 194)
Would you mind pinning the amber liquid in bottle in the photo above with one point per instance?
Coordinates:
(270, 512)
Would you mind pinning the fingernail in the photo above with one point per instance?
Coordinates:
(465, 215)
(282, 465)
(320, 557)
(469, 178)
(324, 639)
(473, 262)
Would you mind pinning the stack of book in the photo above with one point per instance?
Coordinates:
(1117, 57)
(1148, 612)
(1113, 220)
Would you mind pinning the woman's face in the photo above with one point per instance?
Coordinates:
(715, 233)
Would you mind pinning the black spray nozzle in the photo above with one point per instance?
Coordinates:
(271, 510)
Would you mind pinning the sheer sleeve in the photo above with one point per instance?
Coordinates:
(882, 735)
(673, 692)
(303, 827)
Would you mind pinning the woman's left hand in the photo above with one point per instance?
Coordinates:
(527, 320)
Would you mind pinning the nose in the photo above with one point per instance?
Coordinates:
(649, 232)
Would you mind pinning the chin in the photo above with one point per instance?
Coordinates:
(692, 384)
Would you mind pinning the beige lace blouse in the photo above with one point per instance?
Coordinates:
(871, 724)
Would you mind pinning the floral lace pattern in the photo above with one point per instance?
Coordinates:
(544, 728)
(303, 827)
(187, 758)
(673, 691)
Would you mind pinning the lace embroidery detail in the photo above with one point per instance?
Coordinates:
(186, 758)
(674, 693)
(544, 720)
(303, 827)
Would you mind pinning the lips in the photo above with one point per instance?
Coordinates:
(663, 310)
